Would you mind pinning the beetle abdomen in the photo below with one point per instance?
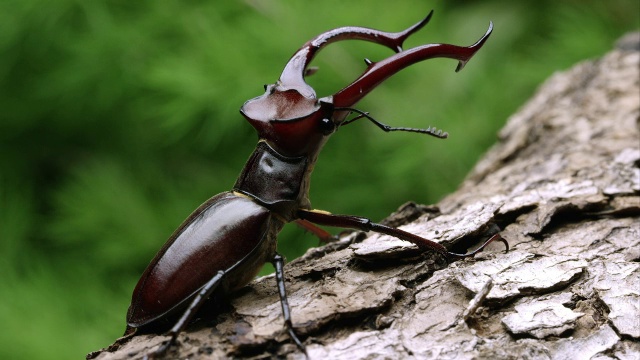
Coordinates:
(219, 235)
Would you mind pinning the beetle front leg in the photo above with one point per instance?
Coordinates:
(364, 224)
(188, 314)
(278, 264)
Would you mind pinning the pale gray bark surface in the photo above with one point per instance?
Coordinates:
(564, 183)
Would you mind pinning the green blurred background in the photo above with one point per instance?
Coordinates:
(119, 118)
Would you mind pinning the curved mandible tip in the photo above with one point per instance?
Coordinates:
(377, 72)
(476, 46)
(292, 76)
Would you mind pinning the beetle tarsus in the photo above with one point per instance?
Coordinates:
(494, 237)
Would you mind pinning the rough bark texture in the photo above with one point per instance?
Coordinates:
(564, 184)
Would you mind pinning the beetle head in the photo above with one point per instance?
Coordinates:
(291, 118)
(292, 123)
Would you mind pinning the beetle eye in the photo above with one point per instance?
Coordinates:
(265, 87)
(327, 126)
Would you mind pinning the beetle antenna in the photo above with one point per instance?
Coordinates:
(386, 128)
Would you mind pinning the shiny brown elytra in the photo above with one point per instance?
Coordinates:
(222, 244)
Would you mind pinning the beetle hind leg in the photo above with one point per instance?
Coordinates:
(188, 314)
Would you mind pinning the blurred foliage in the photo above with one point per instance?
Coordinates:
(119, 118)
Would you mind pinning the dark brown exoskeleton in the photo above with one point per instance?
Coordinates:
(224, 243)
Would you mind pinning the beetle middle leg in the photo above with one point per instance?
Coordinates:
(278, 264)
(188, 314)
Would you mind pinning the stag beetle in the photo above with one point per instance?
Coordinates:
(222, 244)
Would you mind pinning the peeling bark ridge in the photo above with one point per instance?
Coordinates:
(563, 183)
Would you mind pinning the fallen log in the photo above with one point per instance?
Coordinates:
(563, 182)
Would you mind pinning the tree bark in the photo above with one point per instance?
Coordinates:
(563, 182)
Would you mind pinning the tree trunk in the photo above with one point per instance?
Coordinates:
(563, 183)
